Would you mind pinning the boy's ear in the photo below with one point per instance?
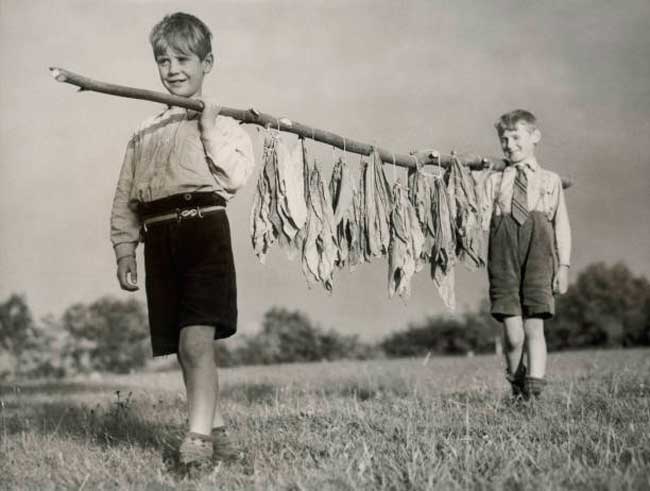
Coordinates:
(537, 135)
(208, 63)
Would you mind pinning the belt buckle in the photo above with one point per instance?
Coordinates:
(187, 213)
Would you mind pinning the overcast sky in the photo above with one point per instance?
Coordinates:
(403, 75)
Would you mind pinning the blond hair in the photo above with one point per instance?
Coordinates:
(183, 32)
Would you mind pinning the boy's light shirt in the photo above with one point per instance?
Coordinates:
(545, 195)
(167, 155)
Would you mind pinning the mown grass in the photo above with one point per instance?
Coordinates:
(394, 425)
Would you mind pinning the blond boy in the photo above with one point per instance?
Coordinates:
(529, 250)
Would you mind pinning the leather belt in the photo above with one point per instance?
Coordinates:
(182, 214)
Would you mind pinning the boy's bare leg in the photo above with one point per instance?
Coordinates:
(180, 362)
(200, 375)
(535, 347)
(513, 328)
(217, 421)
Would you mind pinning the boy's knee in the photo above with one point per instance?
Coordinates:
(514, 338)
(514, 341)
(534, 329)
(514, 332)
(195, 345)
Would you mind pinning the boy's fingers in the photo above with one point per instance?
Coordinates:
(124, 282)
(128, 284)
(127, 274)
(132, 282)
(124, 285)
(132, 276)
(211, 104)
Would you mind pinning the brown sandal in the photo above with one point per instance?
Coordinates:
(196, 450)
(223, 447)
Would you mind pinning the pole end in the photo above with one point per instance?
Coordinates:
(58, 75)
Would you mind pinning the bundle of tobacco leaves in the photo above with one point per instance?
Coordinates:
(264, 218)
(359, 252)
(279, 210)
(378, 203)
(292, 206)
(299, 239)
(346, 216)
(484, 205)
(421, 196)
(319, 249)
(406, 242)
(444, 250)
(465, 216)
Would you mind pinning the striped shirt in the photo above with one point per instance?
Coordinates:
(167, 155)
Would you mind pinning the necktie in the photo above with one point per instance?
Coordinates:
(519, 207)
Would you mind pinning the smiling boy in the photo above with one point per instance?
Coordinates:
(179, 171)
(529, 250)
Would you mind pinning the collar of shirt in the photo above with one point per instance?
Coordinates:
(531, 164)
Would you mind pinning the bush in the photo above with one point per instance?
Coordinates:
(25, 348)
(470, 333)
(108, 335)
(289, 336)
(606, 306)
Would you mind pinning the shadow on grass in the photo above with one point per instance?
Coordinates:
(122, 423)
(55, 388)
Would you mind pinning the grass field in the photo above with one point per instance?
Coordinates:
(396, 424)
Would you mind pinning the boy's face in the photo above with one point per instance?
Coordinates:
(518, 144)
(182, 73)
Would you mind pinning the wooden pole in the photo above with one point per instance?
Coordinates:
(252, 116)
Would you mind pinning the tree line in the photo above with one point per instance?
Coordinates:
(607, 306)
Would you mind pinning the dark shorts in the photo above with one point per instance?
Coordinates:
(190, 274)
(521, 266)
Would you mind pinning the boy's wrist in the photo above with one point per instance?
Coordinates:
(564, 265)
(207, 134)
(124, 249)
(207, 129)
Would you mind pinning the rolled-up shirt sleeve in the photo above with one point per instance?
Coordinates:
(125, 225)
(229, 151)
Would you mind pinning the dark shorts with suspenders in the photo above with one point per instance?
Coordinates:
(521, 266)
(189, 267)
